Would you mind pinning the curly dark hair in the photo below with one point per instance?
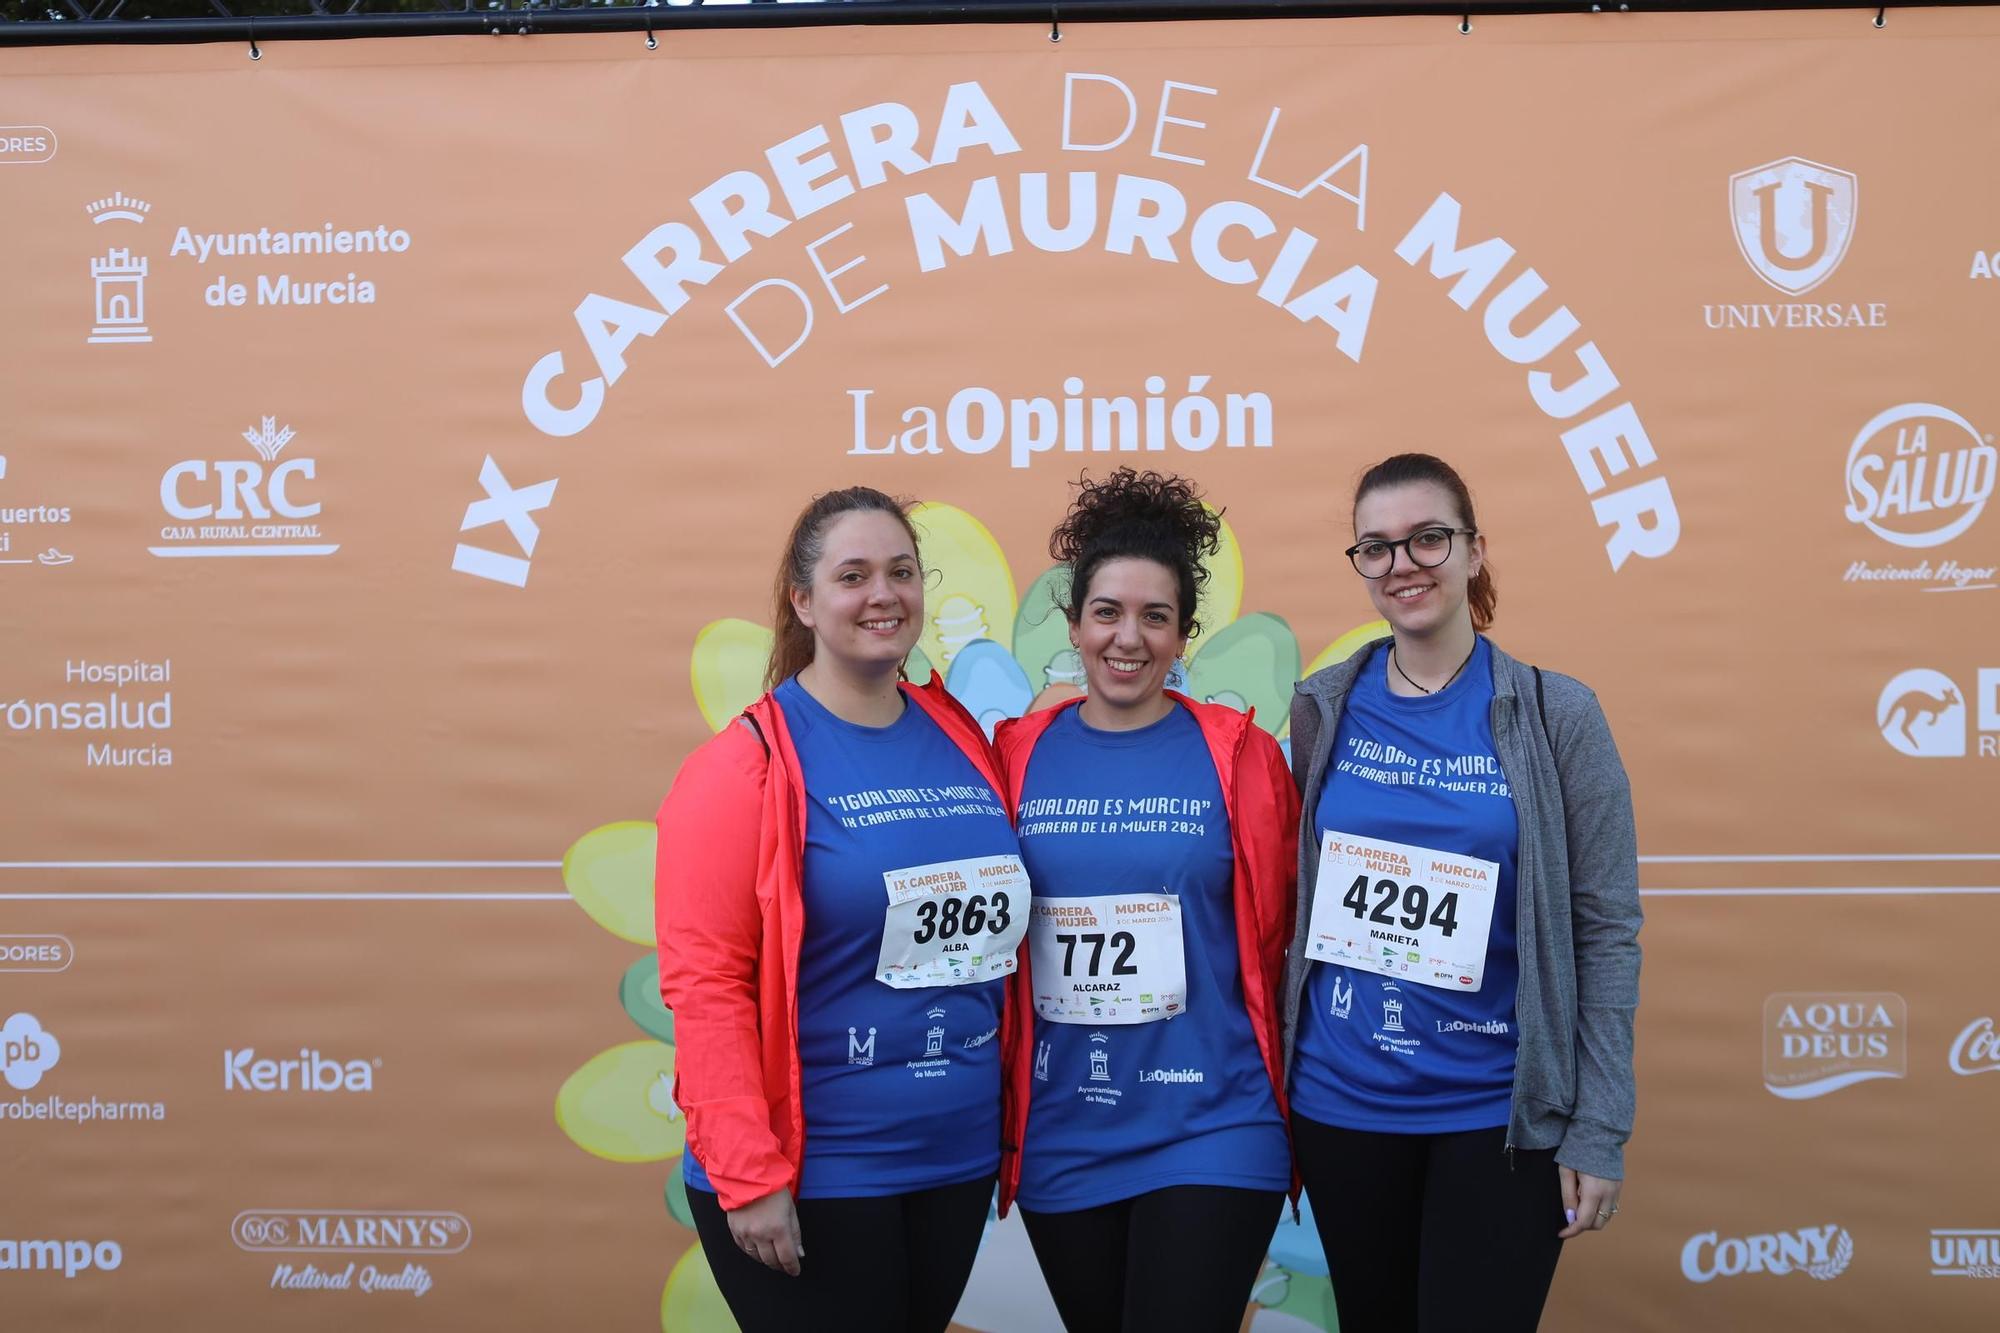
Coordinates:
(1141, 516)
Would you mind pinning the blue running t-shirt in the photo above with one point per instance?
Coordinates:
(1118, 1110)
(1378, 1054)
(901, 1088)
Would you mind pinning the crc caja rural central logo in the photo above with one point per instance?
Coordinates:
(260, 507)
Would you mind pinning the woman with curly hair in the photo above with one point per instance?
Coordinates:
(1145, 1122)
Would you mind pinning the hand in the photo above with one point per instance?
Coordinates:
(1589, 1202)
(768, 1231)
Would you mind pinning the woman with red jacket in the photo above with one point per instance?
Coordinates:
(840, 898)
(1143, 1035)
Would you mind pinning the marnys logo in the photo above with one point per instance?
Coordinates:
(69, 1257)
(27, 1051)
(350, 1231)
(1960, 1252)
(1794, 220)
(1922, 713)
(1818, 1042)
(1919, 475)
(224, 507)
(311, 1072)
(1976, 1050)
(1822, 1253)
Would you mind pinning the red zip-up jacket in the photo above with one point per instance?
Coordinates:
(1263, 808)
(729, 910)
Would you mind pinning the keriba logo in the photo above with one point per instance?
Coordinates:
(311, 1072)
(1794, 220)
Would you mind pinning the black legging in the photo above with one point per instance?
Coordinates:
(895, 1264)
(1432, 1233)
(1175, 1260)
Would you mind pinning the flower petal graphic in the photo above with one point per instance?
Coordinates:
(613, 1107)
(609, 871)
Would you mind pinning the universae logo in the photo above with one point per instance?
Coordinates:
(1793, 220)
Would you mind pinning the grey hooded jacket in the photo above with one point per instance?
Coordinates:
(1577, 880)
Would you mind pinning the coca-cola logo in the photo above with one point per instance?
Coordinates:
(1977, 1049)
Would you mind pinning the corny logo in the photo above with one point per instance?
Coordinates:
(1821, 1253)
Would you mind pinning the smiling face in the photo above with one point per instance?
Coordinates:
(866, 604)
(1417, 601)
(1128, 634)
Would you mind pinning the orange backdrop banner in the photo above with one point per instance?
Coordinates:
(399, 436)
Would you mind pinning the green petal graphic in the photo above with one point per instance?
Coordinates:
(639, 992)
(1251, 663)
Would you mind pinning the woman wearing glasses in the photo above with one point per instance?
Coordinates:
(1463, 977)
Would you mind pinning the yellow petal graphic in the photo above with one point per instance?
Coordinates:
(691, 1302)
(727, 668)
(609, 871)
(612, 1107)
(1343, 647)
(1222, 598)
(971, 590)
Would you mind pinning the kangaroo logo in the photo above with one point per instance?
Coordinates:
(1922, 715)
(1793, 220)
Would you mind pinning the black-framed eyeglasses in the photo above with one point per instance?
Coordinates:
(1427, 548)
